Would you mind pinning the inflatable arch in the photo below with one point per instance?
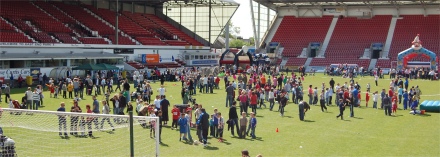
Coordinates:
(236, 61)
(223, 56)
(416, 50)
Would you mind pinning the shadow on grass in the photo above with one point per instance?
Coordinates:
(256, 139)
(328, 112)
(211, 148)
(288, 116)
(424, 115)
(226, 142)
(357, 117)
(309, 121)
(163, 144)
(397, 115)
(259, 116)
(347, 120)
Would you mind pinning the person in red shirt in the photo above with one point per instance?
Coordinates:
(217, 82)
(254, 102)
(359, 98)
(367, 98)
(176, 113)
(257, 87)
(390, 92)
(346, 95)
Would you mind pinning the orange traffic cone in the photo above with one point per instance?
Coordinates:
(277, 130)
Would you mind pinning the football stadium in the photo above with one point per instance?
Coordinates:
(103, 78)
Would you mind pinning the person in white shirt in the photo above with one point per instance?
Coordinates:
(375, 98)
(161, 90)
(103, 84)
(157, 102)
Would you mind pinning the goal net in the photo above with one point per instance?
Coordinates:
(49, 133)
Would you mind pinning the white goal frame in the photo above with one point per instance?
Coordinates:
(7, 113)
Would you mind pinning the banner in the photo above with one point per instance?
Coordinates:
(6, 73)
(204, 62)
(151, 58)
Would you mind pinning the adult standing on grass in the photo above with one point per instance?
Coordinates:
(234, 117)
(229, 95)
(95, 110)
(35, 99)
(29, 95)
(203, 124)
(164, 104)
(7, 92)
(332, 83)
(387, 104)
(310, 94)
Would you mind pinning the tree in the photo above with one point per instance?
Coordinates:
(233, 31)
(251, 41)
(237, 43)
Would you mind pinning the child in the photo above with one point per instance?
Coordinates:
(253, 123)
(243, 124)
(138, 106)
(375, 79)
(56, 91)
(405, 99)
(51, 89)
(64, 89)
(95, 89)
(153, 124)
(183, 126)
(367, 98)
(262, 99)
(62, 122)
(394, 107)
(221, 125)
(176, 112)
(368, 87)
(89, 121)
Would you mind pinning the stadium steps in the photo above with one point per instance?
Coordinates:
(387, 46)
(372, 64)
(284, 62)
(17, 34)
(308, 61)
(328, 37)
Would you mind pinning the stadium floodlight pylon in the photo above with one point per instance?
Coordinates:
(43, 133)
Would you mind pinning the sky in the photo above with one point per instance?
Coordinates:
(243, 19)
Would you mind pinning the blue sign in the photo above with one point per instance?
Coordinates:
(144, 58)
(204, 62)
(160, 58)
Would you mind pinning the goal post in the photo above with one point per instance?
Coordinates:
(51, 133)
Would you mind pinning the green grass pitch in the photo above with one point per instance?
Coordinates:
(370, 133)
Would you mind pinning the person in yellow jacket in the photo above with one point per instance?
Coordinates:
(70, 90)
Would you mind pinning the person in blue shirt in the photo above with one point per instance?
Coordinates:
(405, 100)
(95, 111)
(400, 93)
(341, 106)
(62, 120)
(203, 125)
(183, 127)
(354, 102)
(253, 122)
(414, 105)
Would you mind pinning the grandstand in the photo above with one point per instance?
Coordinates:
(140, 28)
(348, 31)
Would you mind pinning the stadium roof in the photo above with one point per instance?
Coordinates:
(181, 2)
(273, 4)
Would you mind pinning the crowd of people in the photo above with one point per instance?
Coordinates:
(251, 88)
